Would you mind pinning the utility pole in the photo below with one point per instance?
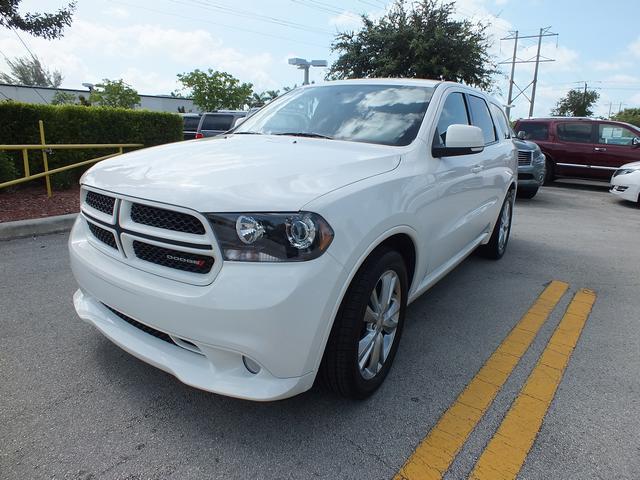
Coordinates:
(584, 97)
(513, 71)
(544, 32)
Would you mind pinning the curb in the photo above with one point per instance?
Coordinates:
(36, 226)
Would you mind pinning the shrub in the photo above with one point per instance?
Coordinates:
(8, 170)
(78, 124)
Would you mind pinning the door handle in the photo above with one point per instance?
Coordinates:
(476, 169)
(600, 149)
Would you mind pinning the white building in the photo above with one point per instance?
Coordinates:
(157, 103)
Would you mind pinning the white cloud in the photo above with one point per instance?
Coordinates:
(119, 13)
(146, 56)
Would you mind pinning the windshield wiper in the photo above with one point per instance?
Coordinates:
(306, 134)
(247, 133)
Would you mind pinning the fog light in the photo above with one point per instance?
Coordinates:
(251, 365)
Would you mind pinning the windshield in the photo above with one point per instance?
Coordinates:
(382, 114)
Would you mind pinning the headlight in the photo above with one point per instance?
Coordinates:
(624, 171)
(271, 237)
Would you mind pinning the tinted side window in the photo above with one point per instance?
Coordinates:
(191, 123)
(501, 120)
(574, 132)
(534, 131)
(482, 118)
(612, 134)
(454, 112)
(217, 122)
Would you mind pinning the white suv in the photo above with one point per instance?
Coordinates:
(249, 263)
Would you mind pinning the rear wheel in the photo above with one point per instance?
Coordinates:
(500, 236)
(365, 335)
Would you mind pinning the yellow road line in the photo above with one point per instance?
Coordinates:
(433, 456)
(508, 449)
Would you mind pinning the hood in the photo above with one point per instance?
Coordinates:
(525, 145)
(630, 165)
(237, 173)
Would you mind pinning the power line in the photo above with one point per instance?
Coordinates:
(218, 24)
(35, 61)
(208, 5)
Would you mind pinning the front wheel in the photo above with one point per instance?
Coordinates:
(365, 335)
(500, 236)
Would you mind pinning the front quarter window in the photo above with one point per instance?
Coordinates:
(370, 113)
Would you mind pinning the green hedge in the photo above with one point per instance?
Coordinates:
(77, 124)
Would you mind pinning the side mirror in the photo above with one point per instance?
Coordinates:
(238, 121)
(636, 141)
(522, 135)
(460, 140)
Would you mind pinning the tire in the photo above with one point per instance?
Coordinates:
(527, 192)
(549, 175)
(498, 243)
(341, 368)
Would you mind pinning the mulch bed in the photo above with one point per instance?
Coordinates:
(32, 202)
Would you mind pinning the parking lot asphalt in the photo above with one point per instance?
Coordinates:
(73, 405)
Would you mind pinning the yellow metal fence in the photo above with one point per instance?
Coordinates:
(44, 147)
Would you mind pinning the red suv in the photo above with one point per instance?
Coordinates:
(582, 147)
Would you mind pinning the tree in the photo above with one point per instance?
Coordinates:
(63, 98)
(45, 25)
(576, 103)
(213, 90)
(114, 93)
(259, 99)
(629, 115)
(30, 71)
(419, 39)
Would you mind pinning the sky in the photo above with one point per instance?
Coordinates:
(148, 42)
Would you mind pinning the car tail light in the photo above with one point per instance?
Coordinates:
(199, 135)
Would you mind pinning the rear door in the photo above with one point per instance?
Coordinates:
(497, 154)
(575, 152)
(615, 146)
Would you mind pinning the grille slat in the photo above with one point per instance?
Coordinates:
(188, 262)
(105, 236)
(100, 202)
(524, 158)
(142, 326)
(167, 219)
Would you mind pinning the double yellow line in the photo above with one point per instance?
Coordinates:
(506, 452)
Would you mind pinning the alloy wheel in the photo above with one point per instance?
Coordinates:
(380, 324)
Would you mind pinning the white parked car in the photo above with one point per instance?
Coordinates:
(625, 182)
(251, 263)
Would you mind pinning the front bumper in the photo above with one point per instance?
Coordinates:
(532, 175)
(278, 315)
(627, 186)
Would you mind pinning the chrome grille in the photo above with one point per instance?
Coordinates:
(524, 158)
(172, 242)
(100, 202)
(166, 257)
(105, 236)
(167, 219)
